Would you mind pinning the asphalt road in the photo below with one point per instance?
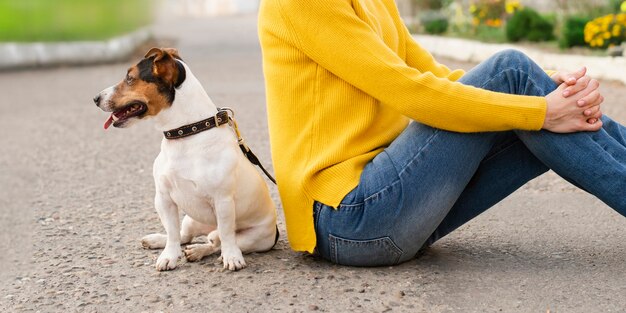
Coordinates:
(75, 199)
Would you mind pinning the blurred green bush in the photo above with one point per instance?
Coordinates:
(573, 31)
(431, 4)
(71, 20)
(434, 22)
(528, 24)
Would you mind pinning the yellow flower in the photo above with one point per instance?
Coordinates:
(472, 8)
(623, 6)
(617, 30)
(606, 31)
(512, 6)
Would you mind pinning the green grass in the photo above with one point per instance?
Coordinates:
(484, 33)
(71, 20)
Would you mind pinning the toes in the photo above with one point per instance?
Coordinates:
(153, 241)
(146, 244)
(165, 265)
(234, 263)
(167, 260)
(192, 255)
(233, 259)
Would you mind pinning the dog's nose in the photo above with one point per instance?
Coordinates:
(96, 99)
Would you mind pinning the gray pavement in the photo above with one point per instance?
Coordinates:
(74, 201)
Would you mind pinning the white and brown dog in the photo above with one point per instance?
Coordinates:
(205, 175)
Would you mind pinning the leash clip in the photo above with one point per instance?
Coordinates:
(232, 112)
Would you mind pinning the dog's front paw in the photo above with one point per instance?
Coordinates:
(154, 241)
(167, 260)
(233, 259)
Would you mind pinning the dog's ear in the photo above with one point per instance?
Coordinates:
(159, 53)
(165, 66)
(173, 52)
(155, 52)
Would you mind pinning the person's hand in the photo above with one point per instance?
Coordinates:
(579, 111)
(569, 78)
(576, 81)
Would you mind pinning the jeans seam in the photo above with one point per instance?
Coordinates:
(378, 193)
(432, 137)
(333, 249)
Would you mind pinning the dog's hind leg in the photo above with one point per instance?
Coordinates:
(254, 239)
(198, 251)
(257, 239)
(189, 230)
(192, 229)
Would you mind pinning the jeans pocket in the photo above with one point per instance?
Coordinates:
(373, 252)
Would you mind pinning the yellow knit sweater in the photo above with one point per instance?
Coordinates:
(343, 78)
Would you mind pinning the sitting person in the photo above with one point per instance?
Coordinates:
(379, 150)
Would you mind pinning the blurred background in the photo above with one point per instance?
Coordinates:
(78, 20)
(72, 20)
(588, 26)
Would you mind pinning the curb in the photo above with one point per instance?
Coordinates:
(609, 68)
(39, 54)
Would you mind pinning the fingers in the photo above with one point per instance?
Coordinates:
(594, 117)
(590, 120)
(580, 73)
(591, 127)
(583, 97)
(594, 108)
(591, 111)
(579, 112)
(593, 98)
(578, 86)
(595, 114)
(560, 78)
(569, 78)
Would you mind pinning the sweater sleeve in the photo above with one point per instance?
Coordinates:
(332, 35)
(419, 58)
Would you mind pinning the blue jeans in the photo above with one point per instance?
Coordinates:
(429, 182)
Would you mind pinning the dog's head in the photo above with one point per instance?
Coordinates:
(148, 88)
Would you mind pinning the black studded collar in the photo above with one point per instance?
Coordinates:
(218, 119)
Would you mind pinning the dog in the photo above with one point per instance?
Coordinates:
(206, 175)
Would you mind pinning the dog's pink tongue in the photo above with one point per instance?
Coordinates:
(108, 122)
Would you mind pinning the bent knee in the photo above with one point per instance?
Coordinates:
(511, 57)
